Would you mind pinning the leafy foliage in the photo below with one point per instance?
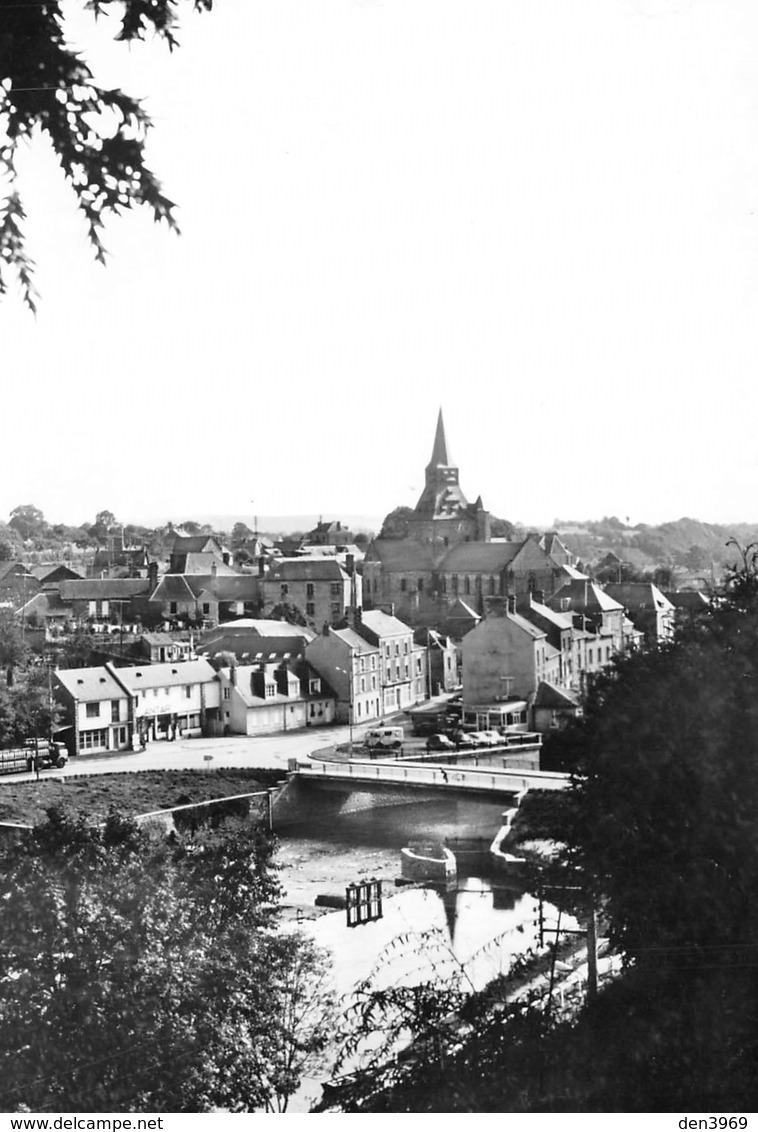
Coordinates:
(397, 523)
(138, 973)
(667, 793)
(98, 135)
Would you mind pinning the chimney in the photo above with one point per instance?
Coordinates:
(152, 574)
(261, 567)
(233, 673)
(350, 564)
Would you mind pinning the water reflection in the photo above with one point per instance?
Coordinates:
(427, 934)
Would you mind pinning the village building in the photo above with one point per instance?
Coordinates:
(276, 695)
(98, 710)
(352, 666)
(320, 588)
(649, 610)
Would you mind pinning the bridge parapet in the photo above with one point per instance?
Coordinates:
(475, 780)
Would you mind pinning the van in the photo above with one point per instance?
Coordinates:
(391, 737)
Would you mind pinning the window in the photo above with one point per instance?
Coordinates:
(93, 711)
(270, 691)
(172, 607)
(206, 607)
(227, 693)
(335, 589)
(420, 585)
(309, 589)
(405, 648)
(455, 583)
(403, 585)
(285, 589)
(335, 609)
(397, 648)
(310, 609)
(88, 740)
(492, 585)
(187, 691)
(467, 585)
(314, 686)
(114, 711)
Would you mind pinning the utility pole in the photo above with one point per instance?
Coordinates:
(592, 954)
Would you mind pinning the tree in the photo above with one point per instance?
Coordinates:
(286, 611)
(27, 519)
(6, 550)
(501, 528)
(104, 523)
(97, 134)
(14, 650)
(240, 534)
(668, 781)
(397, 523)
(143, 973)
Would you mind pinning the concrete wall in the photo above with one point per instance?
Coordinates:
(495, 649)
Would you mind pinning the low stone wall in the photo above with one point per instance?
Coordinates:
(432, 862)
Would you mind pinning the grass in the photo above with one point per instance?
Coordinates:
(135, 792)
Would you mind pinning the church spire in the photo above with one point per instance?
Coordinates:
(440, 454)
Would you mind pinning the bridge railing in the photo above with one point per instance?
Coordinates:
(489, 780)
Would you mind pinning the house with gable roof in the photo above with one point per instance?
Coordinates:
(403, 676)
(320, 587)
(595, 611)
(198, 552)
(98, 709)
(352, 666)
(505, 658)
(647, 607)
(279, 694)
(173, 700)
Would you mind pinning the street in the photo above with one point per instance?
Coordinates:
(262, 752)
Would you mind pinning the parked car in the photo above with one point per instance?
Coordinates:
(462, 739)
(391, 737)
(439, 743)
(486, 738)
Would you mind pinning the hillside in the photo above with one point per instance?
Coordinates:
(687, 544)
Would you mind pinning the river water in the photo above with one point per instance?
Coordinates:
(472, 928)
(480, 921)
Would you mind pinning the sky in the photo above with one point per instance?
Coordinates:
(536, 215)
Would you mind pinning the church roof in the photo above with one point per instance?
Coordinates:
(401, 554)
(479, 556)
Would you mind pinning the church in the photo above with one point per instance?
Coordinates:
(449, 564)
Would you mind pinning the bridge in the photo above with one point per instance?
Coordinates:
(493, 781)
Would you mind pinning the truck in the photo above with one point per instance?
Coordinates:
(20, 759)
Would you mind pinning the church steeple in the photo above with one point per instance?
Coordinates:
(443, 516)
(440, 454)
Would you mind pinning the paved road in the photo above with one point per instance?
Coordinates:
(261, 752)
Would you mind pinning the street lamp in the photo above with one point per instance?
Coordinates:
(349, 673)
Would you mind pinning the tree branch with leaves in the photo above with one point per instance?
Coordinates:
(98, 134)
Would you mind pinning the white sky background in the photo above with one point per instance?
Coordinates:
(540, 215)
